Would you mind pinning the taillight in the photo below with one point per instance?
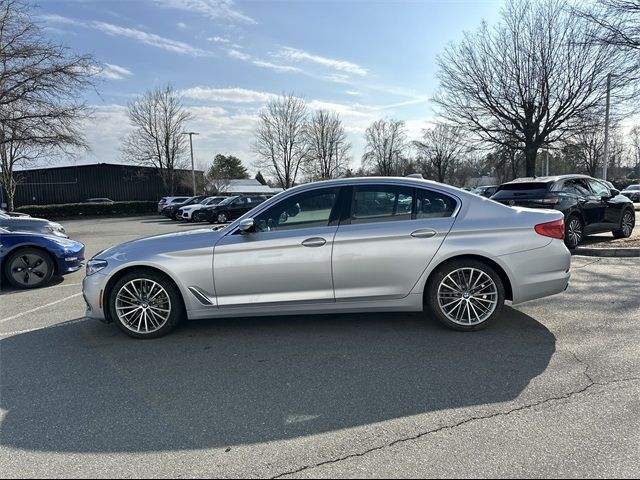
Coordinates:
(553, 229)
(547, 201)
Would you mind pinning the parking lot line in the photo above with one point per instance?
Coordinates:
(3, 320)
(57, 325)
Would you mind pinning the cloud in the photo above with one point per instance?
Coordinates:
(182, 26)
(219, 39)
(54, 19)
(150, 39)
(294, 54)
(214, 9)
(115, 72)
(229, 95)
(276, 67)
(234, 53)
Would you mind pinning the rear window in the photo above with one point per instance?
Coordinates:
(520, 186)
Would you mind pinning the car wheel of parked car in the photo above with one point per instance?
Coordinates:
(626, 225)
(28, 268)
(465, 294)
(574, 233)
(196, 217)
(223, 217)
(146, 304)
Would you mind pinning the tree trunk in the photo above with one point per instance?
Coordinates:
(530, 154)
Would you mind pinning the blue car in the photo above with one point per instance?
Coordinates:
(30, 260)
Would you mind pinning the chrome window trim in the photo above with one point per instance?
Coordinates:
(339, 183)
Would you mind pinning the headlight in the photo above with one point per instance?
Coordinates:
(94, 266)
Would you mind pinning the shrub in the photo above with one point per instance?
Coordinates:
(90, 209)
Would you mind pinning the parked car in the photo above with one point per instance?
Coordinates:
(171, 210)
(485, 191)
(99, 200)
(14, 214)
(30, 260)
(230, 208)
(192, 212)
(348, 248)
(34, 225)
(169, 200)
(632, 192)
(589, 205)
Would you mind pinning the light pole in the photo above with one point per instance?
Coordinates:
(606, 128)
(193, 170)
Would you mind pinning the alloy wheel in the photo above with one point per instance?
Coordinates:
(628, 222)
(29, 270)
(143, 306)
(574, 232)
(222, 218)
(467, 296)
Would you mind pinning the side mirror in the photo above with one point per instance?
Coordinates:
(247, 225)
(615, 192)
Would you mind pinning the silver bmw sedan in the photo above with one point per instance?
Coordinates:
(350, 245)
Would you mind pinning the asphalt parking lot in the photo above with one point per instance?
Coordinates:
(552, 389)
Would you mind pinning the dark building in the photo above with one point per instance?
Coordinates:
(77, 183)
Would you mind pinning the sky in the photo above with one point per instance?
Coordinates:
(364, 59)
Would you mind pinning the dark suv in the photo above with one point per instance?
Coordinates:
(589, 205)
(171, 210)
(231, 208)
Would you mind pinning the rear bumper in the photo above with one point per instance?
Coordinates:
(539, 273)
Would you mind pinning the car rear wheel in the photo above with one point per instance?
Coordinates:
(145, 304)
(29, 268)
(223, 217)
(627, 224)
(465, 295)
(574, 232)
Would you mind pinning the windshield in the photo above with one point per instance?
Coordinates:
(634, 187)
(227, 201)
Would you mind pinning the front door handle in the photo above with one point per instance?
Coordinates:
(424, 233)
(314, 242)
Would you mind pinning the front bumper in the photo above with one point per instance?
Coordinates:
(93, 292)
(69, 261)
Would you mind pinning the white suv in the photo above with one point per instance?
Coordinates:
(189, 214)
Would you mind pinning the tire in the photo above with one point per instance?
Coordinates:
(29, 268)
(627, 224)
(574, 233)
(146, 304)
(451, 300)
(195, 218)
(222, 217)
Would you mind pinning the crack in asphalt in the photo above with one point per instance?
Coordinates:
(591, 383)
(586, 265)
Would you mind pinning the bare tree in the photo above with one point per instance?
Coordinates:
(440, 150)
(386, 147)
(327, 146)
(634, 140)
(159, 120)
(619, 22)
(280, 144)
(586, 149)
(40, 107)
(530, 81)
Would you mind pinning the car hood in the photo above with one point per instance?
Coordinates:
(161, 244)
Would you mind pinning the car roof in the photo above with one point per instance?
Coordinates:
(549, 179)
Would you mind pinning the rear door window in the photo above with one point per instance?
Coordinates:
(432, 204)
(381, 203)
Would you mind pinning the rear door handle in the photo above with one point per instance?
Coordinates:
(424, 233)
(314, 242)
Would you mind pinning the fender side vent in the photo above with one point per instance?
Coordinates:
(201, 296)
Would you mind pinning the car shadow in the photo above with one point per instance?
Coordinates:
(86, 387)
(6, 288)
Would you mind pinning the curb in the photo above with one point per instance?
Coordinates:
(607, 252)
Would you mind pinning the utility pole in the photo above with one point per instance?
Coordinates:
(606, 129)
(193, 170)
(547, 174)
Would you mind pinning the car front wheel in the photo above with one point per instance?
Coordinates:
(145, 304)
(465, 295)
(627, 225)
(29, 268)
(195, 218)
